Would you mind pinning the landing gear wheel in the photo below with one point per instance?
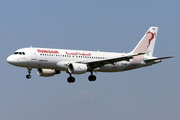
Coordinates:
(29, 72)
(28, 76)
(92, 78)
(71, 79)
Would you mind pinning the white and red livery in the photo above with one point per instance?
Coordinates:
(51, 61)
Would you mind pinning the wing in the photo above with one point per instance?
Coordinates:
(98, 63)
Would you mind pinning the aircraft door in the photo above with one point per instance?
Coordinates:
(33, 54)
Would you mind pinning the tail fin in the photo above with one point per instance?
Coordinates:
(147, 43)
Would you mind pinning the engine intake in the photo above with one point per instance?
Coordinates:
(77, 68)
(47, 72)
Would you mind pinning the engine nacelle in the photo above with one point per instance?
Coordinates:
(77, 68)
(47, 72)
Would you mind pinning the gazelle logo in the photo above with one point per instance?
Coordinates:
(79, 68)
(152, 37)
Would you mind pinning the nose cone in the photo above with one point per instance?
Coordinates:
(10, 59)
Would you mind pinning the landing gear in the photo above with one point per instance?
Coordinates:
(92, 77)
(28, 76)
(29, 72)
(71, 79)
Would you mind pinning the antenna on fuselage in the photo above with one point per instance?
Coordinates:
(31, 46)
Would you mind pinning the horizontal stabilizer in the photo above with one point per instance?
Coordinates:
(148, 60)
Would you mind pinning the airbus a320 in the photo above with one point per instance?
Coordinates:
(50, 62)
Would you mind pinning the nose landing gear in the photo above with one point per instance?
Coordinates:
(29, 72)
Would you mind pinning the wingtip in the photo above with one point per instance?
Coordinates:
(171, 56)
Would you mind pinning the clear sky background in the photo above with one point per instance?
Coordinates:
(150, 93)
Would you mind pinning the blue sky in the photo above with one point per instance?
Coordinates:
(116, 26)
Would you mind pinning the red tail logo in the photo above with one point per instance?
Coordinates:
(79, 68)
(152, 37)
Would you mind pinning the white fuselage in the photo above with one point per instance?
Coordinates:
(59, 59)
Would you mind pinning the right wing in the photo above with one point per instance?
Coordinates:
(98, 63)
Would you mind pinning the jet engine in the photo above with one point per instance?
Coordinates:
(77, 68)
(47, 72)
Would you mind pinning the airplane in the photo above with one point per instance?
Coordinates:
(50, 62)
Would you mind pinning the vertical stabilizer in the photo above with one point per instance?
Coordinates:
(147, 43)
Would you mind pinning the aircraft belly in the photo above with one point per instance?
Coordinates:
(47, 65)
(43, 64)
(119, 66)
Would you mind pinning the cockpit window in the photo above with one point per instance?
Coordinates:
(19, 53)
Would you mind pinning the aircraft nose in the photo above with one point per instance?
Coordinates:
(10, 59)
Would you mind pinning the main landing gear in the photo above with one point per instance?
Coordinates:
(71, 79)
(29, 72)
(92, 77)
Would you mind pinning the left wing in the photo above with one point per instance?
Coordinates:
(98, 63)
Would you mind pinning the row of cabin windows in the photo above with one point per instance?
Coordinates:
(49, 55)
(74, 56)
